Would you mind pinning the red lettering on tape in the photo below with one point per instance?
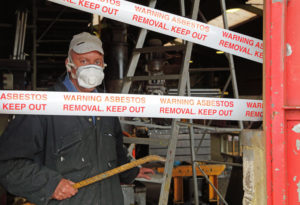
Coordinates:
(112, 11)
(37, 106)
(136, 109)
(236, 47)
(172, 110)
(116, 108)
(179, 30)
(238, 38)
(258, 54)
(13, 106)
(70, 1)
(88, 4)
(254, 104)
(199, 36)
(225, 112)
(253, 114)
(150, 22)
(207, 111)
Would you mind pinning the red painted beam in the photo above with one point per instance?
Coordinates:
(282, 100)
(274, 65)
(293, 100)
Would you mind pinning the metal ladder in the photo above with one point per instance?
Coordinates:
(182, 77)
(184, 85)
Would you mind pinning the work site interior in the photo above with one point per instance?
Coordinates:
(213, 162)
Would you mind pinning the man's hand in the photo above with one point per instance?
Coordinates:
(64, 190)
(144, 173)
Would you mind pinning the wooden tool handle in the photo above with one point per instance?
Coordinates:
(118, 170)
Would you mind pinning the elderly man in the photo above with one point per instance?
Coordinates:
(42, 156)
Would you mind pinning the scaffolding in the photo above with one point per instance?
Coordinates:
(183, 89)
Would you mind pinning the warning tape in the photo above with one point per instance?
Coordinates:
(128, 105)
(118, 170)
(172, 25)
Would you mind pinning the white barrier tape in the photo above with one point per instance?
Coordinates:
(172, 25)
(127, 105)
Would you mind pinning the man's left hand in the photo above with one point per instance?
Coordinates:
(145, 173)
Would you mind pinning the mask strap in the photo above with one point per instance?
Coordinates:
(69, 67)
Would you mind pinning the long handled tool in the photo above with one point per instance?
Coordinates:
(117, 170)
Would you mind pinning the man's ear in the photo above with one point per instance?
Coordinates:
(68, 65)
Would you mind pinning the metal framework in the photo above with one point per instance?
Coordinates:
(183, 88)
(40, 36)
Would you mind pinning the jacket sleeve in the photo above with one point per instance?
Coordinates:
(128, 176)
(21, 166)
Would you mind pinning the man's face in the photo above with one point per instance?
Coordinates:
(93, 57)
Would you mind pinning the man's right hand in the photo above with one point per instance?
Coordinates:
(64, 190)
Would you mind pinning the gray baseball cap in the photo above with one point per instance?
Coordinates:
(85, 42)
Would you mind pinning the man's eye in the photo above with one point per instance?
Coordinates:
(97, 62)
(83, 61)
(100, 63)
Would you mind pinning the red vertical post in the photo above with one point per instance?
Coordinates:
(282, 100)
(293, 100)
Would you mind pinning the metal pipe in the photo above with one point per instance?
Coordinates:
(207, 179)
(230, 59)
(51, 54)
(51, 24)
(21, 34)
(208, 69)
(5, 25)
(16, 44)
(202, 17)
(65, 20)
(34, 44)
(144, 124)
(22, 55)
(221, 162)
(192, 137)
(182, 7)
(220, 129)
(227, 84)
(54, 41)
(206, 129)
(182, 10)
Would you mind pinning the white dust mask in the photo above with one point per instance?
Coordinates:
(89, 76)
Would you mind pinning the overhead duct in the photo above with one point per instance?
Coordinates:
(116, 56)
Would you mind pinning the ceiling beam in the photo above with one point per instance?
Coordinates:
(251, 9)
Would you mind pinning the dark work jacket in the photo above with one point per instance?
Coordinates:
(36, 152)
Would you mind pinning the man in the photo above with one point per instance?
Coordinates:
(42, 156)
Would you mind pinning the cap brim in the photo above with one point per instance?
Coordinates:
(85, 48)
